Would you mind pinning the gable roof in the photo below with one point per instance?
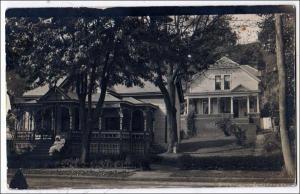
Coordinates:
(42, 90)
(53, 92)
(250, 70)
(226, 62)
(223, 62)
(240, 88)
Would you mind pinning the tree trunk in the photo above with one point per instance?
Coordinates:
(170, 100)
(82, 123)
(286, 148)
(171, 119)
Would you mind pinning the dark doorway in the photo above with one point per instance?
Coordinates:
(137, 121)
(235, 108)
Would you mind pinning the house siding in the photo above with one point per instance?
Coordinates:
(206, 82)
(159, 119)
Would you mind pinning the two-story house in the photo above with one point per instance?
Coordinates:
(225, 89)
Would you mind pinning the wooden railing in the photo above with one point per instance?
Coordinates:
(30, 136)
(112, 135)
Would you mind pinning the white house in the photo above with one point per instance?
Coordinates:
(225, 89)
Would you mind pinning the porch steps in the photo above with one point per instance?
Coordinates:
(241, 120)
(41, 148)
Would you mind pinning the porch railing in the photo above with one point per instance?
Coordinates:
(113, 135)
(30, 136)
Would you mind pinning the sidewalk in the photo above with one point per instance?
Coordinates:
(158, 176)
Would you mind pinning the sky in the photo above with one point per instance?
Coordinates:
(246, 27)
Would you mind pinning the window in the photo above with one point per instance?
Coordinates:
(226, 82)
(217, 82)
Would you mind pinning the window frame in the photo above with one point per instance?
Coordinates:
(218, 82)
(227, 81)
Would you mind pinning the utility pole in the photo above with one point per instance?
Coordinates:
(286, 147)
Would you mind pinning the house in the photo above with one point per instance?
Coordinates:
(225, 89)
(132, 119)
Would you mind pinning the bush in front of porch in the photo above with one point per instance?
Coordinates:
(229, 128)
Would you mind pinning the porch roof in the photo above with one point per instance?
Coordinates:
(223, 93)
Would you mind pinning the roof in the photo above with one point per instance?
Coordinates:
(132, 100)
(240, 88)
(250, 70)
(108, 98)
(224, 62)
(148, 87)
(42, 90)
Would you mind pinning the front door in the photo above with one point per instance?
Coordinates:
(235, 108)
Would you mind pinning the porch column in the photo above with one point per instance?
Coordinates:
(231, 108)
(42, 122)
(248, 105)
(187, 105)
(100, 122)
(257, 104)
(145, 120)
(130, 121)
(59, 119)
(71, 117)
(32, 121)
(52, 121)
(208, 105)
(121, 119)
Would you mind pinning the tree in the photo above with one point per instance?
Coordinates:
(174, 48)
(281, 43)
(286, 148)
(91, 52)
(267, 37)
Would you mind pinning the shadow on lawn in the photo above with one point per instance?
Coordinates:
(196, 145)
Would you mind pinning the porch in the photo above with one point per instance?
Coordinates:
(237, 106)
(120, 128)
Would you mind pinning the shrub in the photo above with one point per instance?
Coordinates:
(229, 128)
(271, 162)
(239, 133)
(191, 123)
(119, 164)
(225, 125)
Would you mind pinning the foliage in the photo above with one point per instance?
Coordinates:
(262, 162)
(191, 123)
(247, 54)
(269, 109)
(225, 124)
(267, 37)
(229, 128)
(91, 51)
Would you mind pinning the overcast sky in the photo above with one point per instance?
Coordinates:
(246, 27)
